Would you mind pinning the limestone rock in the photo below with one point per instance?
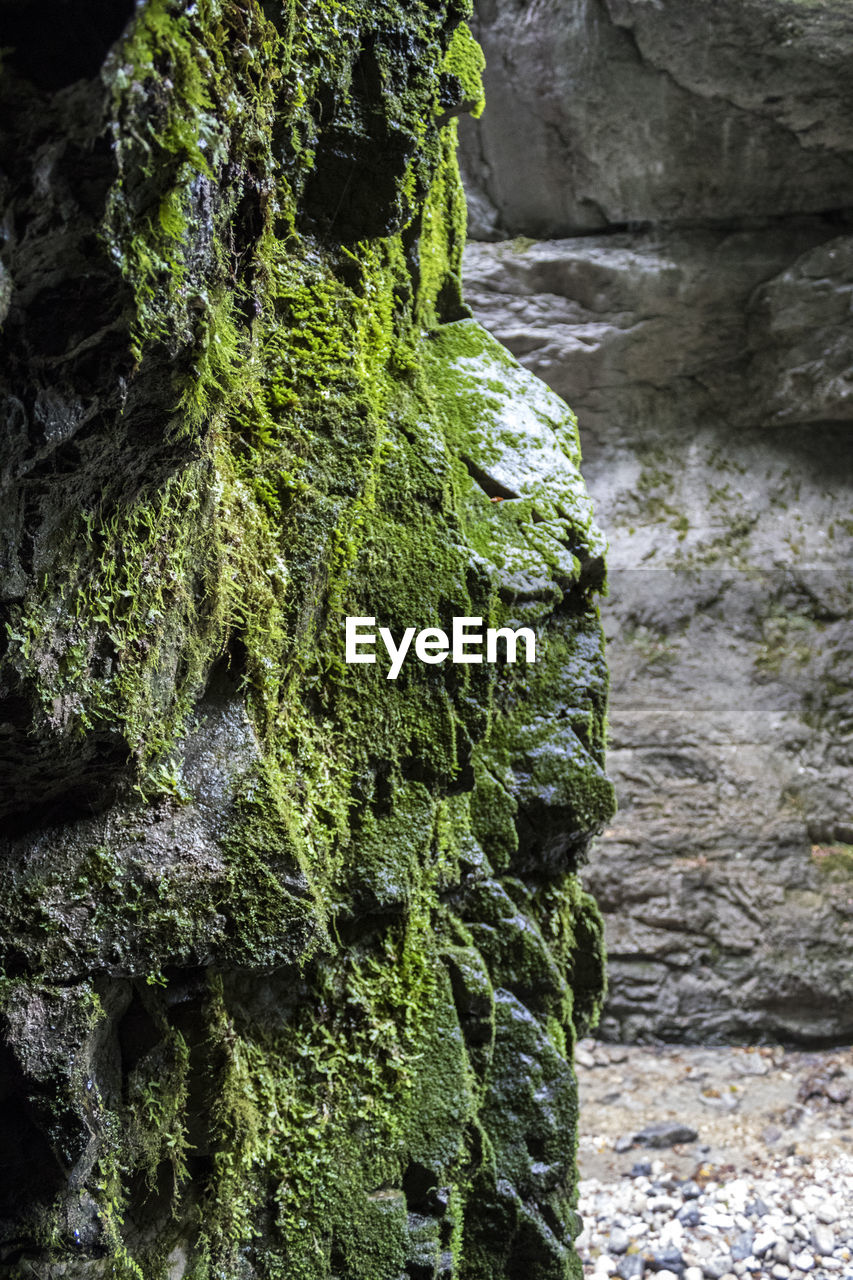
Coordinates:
(614, 112)
(710, 371)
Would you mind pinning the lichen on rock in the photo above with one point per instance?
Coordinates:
(293, 958)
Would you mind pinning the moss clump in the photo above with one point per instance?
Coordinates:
(309, 928)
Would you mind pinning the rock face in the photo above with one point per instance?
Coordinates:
(293, 955)
(696, 312)
(609, 112)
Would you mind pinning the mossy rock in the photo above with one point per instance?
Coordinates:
(281, 937)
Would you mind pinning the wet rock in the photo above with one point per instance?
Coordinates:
(282, 991)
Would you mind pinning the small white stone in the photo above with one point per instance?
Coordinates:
(666, 1275)
(764, 1241)
(693, 1273)
(827, 1212)
(780, 1271)
(713, 1218)
(618, 1241)
(824, 1238)
(604, 1265)
(798, 1208)
(803, 1261)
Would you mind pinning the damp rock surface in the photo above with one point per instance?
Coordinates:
(293, 956)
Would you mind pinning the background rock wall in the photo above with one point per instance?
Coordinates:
(692, 166)
(292, 957)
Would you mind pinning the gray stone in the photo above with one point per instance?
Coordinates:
(730, 600)
(741, 1246)
(625, 111)
(659, 1136)
(668, 1258)
(717, 1266)
(618, 1242)
(696, 313)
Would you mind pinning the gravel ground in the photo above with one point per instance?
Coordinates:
(716, 1163)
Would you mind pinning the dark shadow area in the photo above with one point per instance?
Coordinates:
(55, 42)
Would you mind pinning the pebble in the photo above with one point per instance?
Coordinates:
(779, 1224)
(659, 1136)
(823, 1239)
(716, 1268)
(742, 1246)
(668, 1261)
(618, 1241)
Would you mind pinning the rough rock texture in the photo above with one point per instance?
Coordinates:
(293, 956)
(608, 112)
(707, 350)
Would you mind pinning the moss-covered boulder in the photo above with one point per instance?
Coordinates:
(293, 954)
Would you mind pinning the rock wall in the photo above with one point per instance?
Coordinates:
(293, 955)
(694, 163)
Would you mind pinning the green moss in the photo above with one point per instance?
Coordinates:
(835, 860)
(346, 913)
(464, 60)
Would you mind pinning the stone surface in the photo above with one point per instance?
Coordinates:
(607, 112)
(753, 1209)
(701, 327)
(292, 956)
(729, 608)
